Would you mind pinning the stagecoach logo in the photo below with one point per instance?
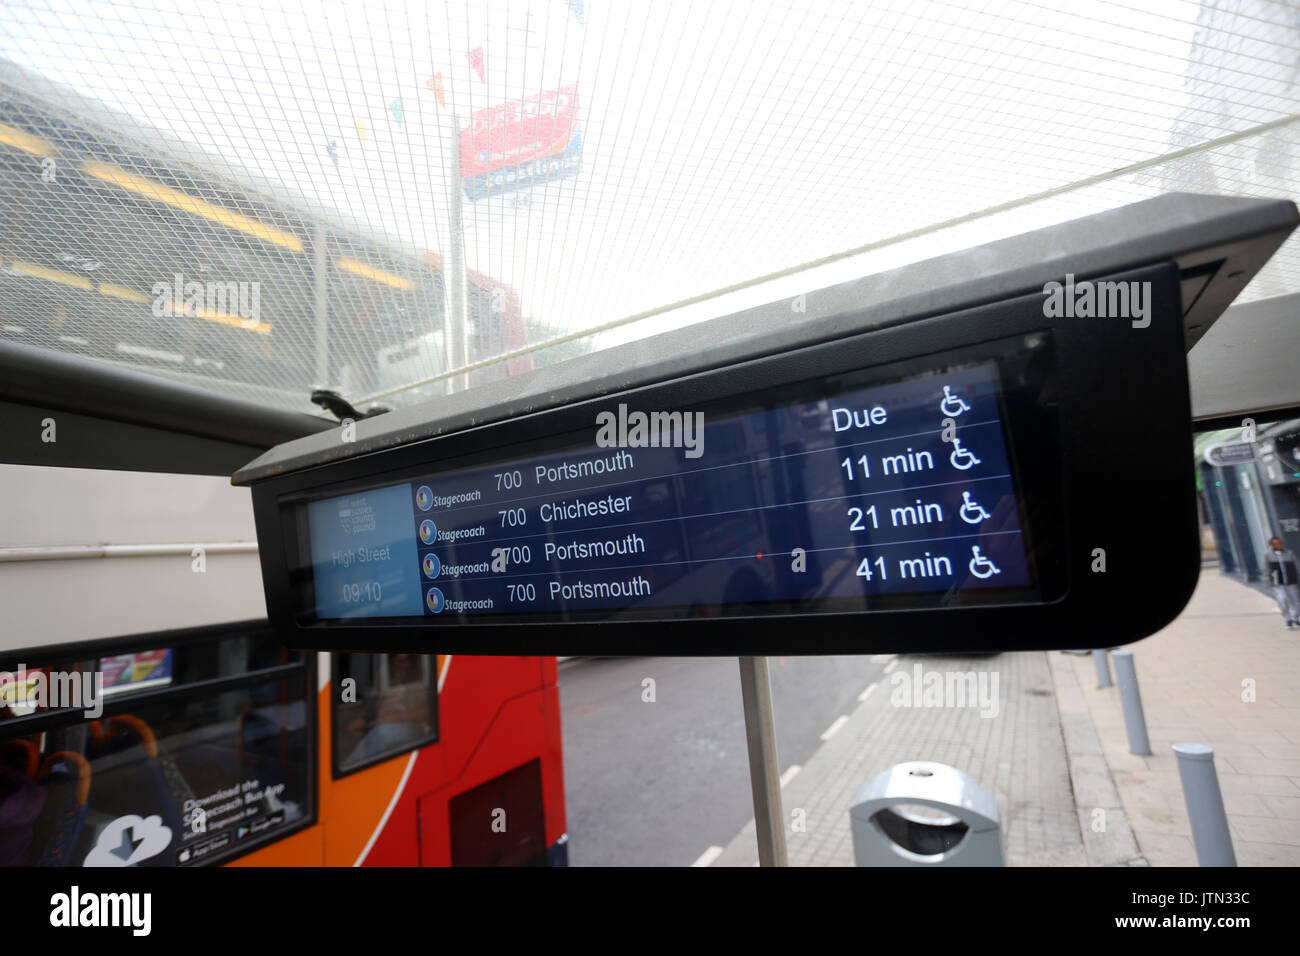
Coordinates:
(1098, 300)
(214, 300)
(653, 430)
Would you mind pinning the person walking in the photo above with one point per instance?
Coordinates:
(1284, 577)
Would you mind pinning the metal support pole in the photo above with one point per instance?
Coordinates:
(320, 284)
(1131, 699)
(764, 772)
(455, 332)
(1205, 805)
(1103, 667)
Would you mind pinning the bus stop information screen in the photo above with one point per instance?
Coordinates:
(895, 495)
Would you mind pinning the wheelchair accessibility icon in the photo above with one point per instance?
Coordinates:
(981, 566)
(952, 405)
(972, 512)
(962, 458)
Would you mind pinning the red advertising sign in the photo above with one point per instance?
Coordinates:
(518, 131)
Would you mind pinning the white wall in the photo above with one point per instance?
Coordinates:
(95, 587)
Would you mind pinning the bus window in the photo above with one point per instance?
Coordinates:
(224, 701)
(384, 705)
(195, 747)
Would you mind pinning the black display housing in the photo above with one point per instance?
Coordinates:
(1101, 460)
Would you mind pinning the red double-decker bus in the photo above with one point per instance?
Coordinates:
(216, 745)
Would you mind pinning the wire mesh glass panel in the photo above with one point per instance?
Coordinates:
(399, 199)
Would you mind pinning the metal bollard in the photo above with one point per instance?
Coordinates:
(1205, 805)
(1103, 667)
(1131, 699)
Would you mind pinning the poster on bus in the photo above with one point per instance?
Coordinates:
(521, 143)
(123, 672)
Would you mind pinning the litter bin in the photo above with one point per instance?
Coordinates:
(925, 814)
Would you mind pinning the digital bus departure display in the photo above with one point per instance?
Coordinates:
(895, 495)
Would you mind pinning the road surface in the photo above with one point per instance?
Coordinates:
(657, 783)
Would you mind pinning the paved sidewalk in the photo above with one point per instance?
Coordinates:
(1192, 676)
(1056, 753)
(1019, 755)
